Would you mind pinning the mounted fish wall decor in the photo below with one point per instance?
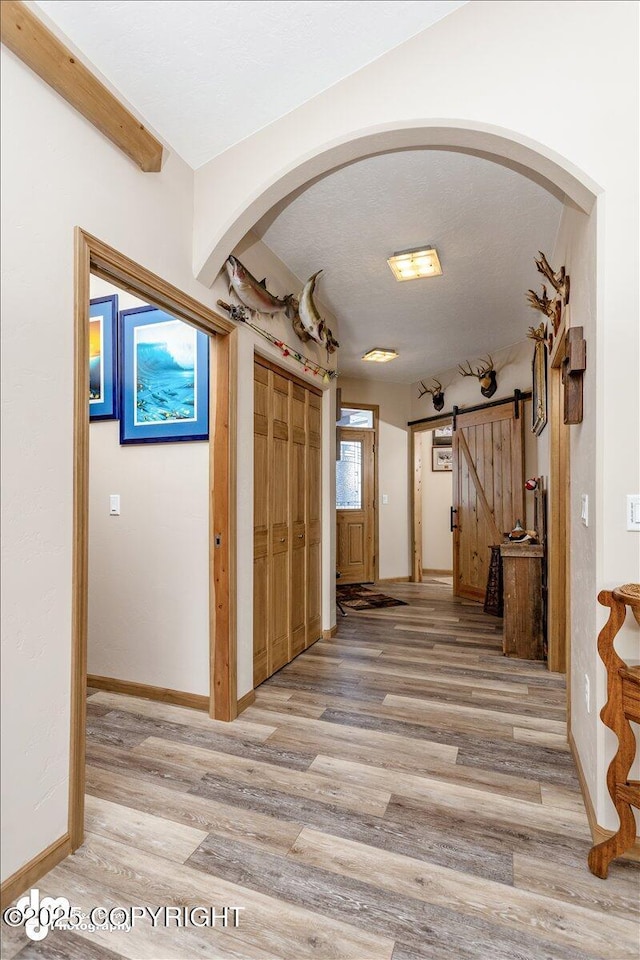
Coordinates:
(253, 293)
(307, 322)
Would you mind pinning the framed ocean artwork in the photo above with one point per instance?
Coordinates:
(103, 358)
(164, 387)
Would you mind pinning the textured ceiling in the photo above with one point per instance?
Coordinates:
(205, 74)
(486, 222)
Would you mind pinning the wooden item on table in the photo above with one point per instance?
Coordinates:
(574, 364)
(523, 609)
(622, 706)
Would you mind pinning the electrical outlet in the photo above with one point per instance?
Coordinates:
(587, 693)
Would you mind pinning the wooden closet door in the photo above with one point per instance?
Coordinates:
(279, 524)
(488, 491)
(314, 517)
(287, 594)
(261, 494)
(299, 558)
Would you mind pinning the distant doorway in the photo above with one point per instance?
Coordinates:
(356, 494)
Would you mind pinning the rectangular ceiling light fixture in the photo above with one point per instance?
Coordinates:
(415, 264)
(380, 355)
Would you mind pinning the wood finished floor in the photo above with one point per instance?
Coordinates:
(401, 791)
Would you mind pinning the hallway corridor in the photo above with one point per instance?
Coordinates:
(400, 791)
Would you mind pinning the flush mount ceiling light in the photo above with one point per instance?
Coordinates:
(380, 355)
(415, 264)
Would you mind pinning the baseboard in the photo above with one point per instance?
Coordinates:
(177, 697)
(436, 573)
(34, 870)
(329, 634)
(598, 833)
(394, 580)
(246, 701)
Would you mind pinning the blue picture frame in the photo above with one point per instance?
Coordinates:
(103, 358)
(164, 378)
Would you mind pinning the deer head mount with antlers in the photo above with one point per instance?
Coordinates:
(436, 392)
(485, 375)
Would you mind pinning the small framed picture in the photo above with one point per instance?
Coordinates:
(103, 358)
(165, 378)
(442, 436)
(442, 459)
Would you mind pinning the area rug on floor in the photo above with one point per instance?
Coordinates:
(358, 597)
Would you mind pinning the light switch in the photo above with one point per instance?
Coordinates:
(114, 505)
(385, 498)
(633, 511)
(584, 509)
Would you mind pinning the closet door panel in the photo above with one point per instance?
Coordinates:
(314, 519)
(279, 522)
(298, 520)
(261, 526)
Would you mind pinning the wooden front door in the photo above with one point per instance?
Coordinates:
(488, 491)
(355, 506)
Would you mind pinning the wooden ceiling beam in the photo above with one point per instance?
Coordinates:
(30, 40)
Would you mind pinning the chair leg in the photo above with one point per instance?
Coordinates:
(341, 608)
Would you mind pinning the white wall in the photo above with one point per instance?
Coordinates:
(52, 165)
(262, 262)
(437, 498)
(576, 248)
(513, 368)
(149, 567)
(393, 468)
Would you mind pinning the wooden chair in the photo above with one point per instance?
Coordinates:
(623, 705)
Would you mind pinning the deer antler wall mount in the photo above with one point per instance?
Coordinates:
(486, 375)
(436, 392)
(551, 306)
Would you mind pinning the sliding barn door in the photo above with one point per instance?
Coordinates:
(287, 519)
(488, 491)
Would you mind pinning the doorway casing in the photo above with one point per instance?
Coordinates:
(94, 256)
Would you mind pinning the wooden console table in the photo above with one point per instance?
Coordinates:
(523, 614)
(623, 705)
